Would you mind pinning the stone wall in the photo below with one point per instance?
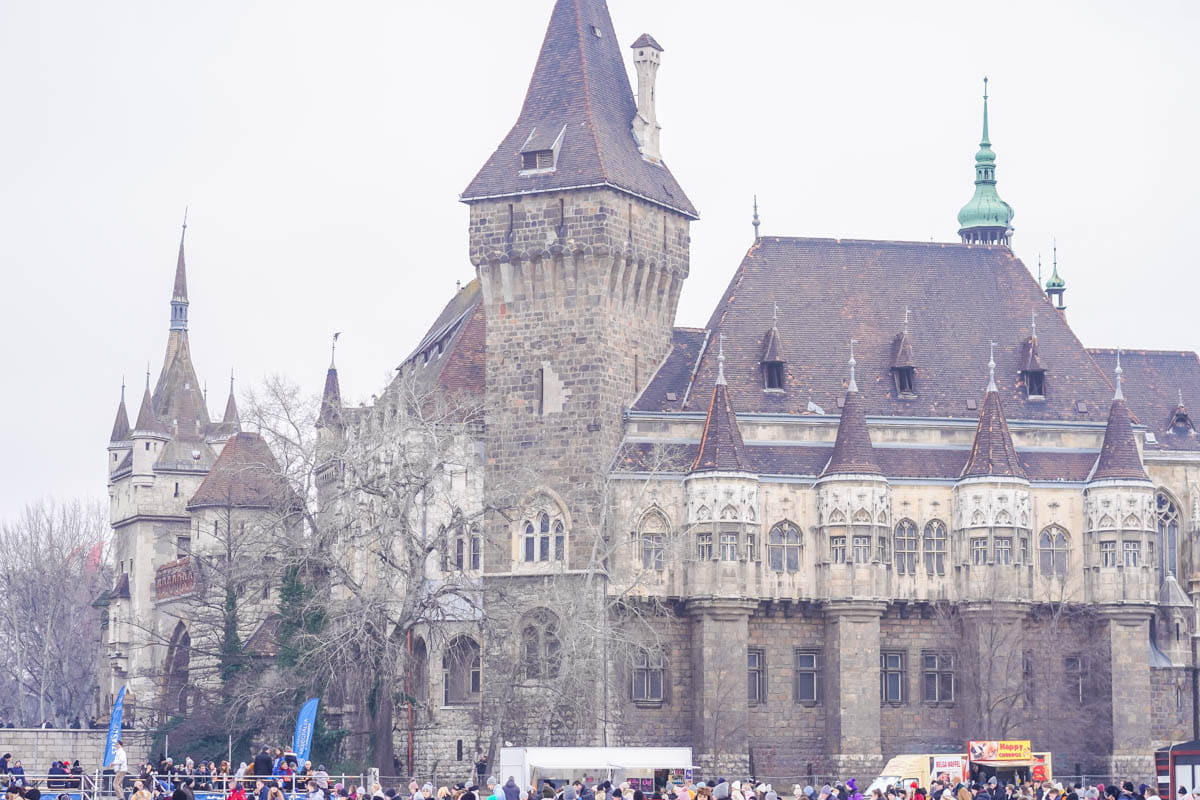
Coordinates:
(1171, 691)
(36, 747)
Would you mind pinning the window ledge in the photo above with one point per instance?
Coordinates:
(892, 703)
(525, 173)
(938, 703)
(459, 706)
(1036, 398)
(809, 703)
(650, 703)
(769, 390)
(906, 396)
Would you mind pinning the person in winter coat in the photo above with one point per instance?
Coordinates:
(511, 790)
(237, 793)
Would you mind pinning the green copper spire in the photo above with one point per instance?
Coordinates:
(1056, 287)
(986, 219)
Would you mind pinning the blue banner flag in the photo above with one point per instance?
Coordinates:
(302, 739)
(114, 729)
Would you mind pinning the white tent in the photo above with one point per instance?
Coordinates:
(575, 762)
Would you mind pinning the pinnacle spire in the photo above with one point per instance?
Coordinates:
(120, 429)
(992, 368)
(147, 422)
(721, 445)
(852, 451)
(756, 221)
(231, 412)
(1119, 458)
(984, 141)
(853, 385)
(721, 359)
(179, 297)
(993, 453)
(331, 398)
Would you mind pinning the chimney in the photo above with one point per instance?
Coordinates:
(647, 54)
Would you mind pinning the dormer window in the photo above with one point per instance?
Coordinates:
(538, 159)
(905, 378)
(1181, 422)
(539, 153)
(773, 375)
(1035, 383)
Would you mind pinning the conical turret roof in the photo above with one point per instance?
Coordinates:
(147, 421)
(852, 452)
(580, 104)
(331, 401)
(993, 453)
(120, 429)
(1119, 458)
(721, 445)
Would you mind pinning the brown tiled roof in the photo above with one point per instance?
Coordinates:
(178, 398)
(902, 352)
(120, 429)
(579, 84)
(1152, 385)
(121, 590)
(264, 642)
(894, 462)
(245, 475)
(646, 40)
(146, 419)
(668, 387)
(331, 401)
(1119, 456)
(829, 291)
(852, 451)
(451, 356)
(773, 346)
(721, 448)
(993, 453)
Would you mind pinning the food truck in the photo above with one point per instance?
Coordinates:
(645, 768)
(1009, 761)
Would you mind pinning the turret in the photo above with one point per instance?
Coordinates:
(118, 440)
(985, 219)
(1119, 514)
(1056, 287)
(854, 506)
(647, 55)
(148, 437)
(992, 506)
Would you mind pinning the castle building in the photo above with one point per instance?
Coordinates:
(859, 520)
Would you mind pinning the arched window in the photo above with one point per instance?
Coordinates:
(461, 676)
(179, 656)
(543, 537)
(530, 543)
(652, 538)
(476, 548)
(935, 547)
(418, 685)
(905, 548)
(543, 532)
(540, 645)
(783, 547)
(1053, 547)
(464, 550)
(1167, 514)
(560, 540)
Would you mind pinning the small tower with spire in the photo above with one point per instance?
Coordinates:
(985, 219)
(755, 222)
(1056, 287)
(179, 298)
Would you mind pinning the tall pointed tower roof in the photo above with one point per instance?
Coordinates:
(178, 398)
(985, 219)
(721, 445)
(993, 453)
(331, 398)
(852, 451)
(147, 421)
(1119, 458)
(579, 107)
(120, 429)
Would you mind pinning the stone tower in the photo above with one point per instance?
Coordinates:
(580, 238)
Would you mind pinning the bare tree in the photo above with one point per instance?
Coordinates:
(53, 558)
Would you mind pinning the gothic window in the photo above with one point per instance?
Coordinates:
(905, 548)
(1073, 674)
(540, 645)
(1167, 515)
(783, 547)
(729, 545)
(884, 554)
(891, 676)
(751, 546)
(530, 543)
(935, 547)
(704, 546)
(937, 679)
(1133, 553)
(461, 676)
(476, 548)
(543, 537)
(176, 667)
(807, 690)
(837, 549)
(418, 687)
(1027, 677)
(1003, 550)
(1108, 554)
(649, 676)
(756, 675)
(1053, 544)
(1023, 551)
(465, 548)
(652, 551)
(543, 533)
(560, 540)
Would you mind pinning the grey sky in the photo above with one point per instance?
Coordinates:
(322, 146)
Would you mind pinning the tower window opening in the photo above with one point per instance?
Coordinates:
(541, 392)
(537, 159)
(905, 380)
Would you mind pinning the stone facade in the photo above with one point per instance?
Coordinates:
(37, 747)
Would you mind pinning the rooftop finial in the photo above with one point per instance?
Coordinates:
(123, 390)
(1040, 270)
(992, 367)
(756, 222)
(853, 386)
(906, 313)
(179, 295)
(1119, 394)
(775, 316)
(206, 391)
(1033, 323)
(333, 350)
(1180, 395)
(721, 359)
(231, 380)
(985, 113)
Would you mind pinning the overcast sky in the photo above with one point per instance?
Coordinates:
(321, 148)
